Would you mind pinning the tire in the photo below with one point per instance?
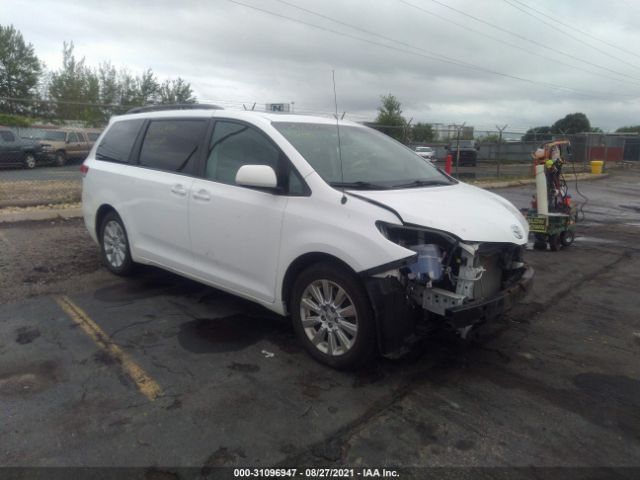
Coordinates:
(554, 242)
(114, 245)
(540, 245)
(567, 237)
(29, 160)
(339, 328)
(61, 159)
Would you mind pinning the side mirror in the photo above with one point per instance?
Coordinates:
(261, 176)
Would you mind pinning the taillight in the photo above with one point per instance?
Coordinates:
(84, 169)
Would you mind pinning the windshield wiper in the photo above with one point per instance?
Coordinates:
(422, 183)
(359, 185)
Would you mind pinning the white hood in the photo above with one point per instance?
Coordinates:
(470, 213)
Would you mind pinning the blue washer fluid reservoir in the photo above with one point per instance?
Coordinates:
(428, 266)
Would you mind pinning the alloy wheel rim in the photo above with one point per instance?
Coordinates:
(115, 245)
(329, 317)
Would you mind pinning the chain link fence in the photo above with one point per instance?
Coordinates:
(493, 153)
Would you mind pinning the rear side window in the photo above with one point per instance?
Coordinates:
(172, 145)
(234, 145)
(80, 137)
(117, 142)
(93, 136)
(7, 136)
(72, 138)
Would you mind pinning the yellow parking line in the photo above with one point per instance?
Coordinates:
(147, 386)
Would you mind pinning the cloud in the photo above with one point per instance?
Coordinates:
(235, 54)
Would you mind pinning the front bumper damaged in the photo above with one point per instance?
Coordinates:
(398, 313)
(483, 310)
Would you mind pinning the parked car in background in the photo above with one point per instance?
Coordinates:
(468, 152)
(92, 135)
(426, 152)
(17, 151)
(356, 238)
(67, 144)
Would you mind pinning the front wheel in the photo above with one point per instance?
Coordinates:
(29, 160)
(114, 245)
(332, 316)
(554, 242)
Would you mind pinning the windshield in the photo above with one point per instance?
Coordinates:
(54, 136)
(465, 144)
(370, 159)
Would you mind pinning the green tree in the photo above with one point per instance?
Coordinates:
(541, 134)
(629, 129)
(176, 91)
(109, 90)
(20, 70)
(390, 120)
(128, 90)
(423, 132)
(148, 88)
(572, 123)
(68, 85)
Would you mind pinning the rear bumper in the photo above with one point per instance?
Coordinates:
(483, 310)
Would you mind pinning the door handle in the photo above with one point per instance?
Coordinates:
(179, 190)
(202, 195)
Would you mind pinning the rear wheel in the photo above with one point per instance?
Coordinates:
(61, 159)
(567, 237)
(332, 316)
(29, 160)
(114, 245)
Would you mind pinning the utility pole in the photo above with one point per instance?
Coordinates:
(458, 129)
(499, 144)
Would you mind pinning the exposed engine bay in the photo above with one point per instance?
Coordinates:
(447, 275)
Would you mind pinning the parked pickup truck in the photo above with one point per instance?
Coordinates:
(67, 145)
(468, 152)
(16, 151)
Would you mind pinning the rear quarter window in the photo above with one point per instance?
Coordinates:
(172, 145)
(118, 141)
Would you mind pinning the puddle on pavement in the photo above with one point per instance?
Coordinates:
(28, 380)
(595, 240)
(227, 334)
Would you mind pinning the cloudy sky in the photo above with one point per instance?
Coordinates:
(485, 62)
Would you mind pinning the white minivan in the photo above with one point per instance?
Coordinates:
(349, 232)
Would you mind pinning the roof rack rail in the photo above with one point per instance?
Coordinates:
(175, 106)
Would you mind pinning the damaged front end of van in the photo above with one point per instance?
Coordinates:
(448, 283)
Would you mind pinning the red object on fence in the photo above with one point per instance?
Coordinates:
(448, 163)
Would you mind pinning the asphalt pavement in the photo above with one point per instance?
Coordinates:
(160, 372)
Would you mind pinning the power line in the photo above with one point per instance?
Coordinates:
(445, 59)
(577, 29)
(466, 28)
(517, 47)
(522, 37)
(563, 32)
